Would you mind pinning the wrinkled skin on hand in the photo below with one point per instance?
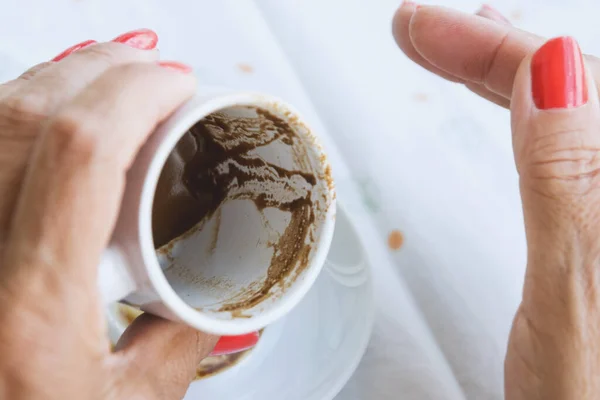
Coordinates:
(68, 132)
(554, 347)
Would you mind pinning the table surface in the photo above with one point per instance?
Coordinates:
(423, 165)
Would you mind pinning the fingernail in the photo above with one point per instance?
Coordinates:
(407, 3)
(73, 49)
(176, 66)
(490, 12)
(144, 39)
(558, 75)
(235, 344)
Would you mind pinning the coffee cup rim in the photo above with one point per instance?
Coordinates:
(194, 110)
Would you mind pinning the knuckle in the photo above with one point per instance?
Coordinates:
(31, 72)
(563, 164)
(107, 53)
(113, 54)
(488, 69)
(565, 186)
(73, 135)
(128, 72)
(25, 106)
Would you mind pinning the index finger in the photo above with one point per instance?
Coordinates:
(469, 47)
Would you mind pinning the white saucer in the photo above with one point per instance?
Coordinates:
(312, 352)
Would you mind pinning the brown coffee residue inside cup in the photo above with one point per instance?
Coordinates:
(212, 366)
(214, 162)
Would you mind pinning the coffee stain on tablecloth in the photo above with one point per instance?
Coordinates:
(395, 240)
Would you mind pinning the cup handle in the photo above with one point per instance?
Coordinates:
(115, 281)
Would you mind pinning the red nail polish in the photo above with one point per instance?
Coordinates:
(558, 75)
(73, 49)
(176, 66)
(144, 39)
(235, 344)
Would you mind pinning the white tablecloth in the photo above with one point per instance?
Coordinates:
(412, 154)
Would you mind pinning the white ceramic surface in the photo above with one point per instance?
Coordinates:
(312, 352)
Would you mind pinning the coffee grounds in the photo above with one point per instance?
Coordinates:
(213, 163)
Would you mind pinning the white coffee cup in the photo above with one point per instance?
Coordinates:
(220, 288)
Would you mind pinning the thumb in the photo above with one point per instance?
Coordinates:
(556, 139)
(157, 359)
(555, 125)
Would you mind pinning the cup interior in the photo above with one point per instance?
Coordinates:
(242, 211)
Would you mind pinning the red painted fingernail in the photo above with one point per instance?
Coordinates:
(73, 49)
(144, 39)
(235, 344)
(176, 66)
(558, 75)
